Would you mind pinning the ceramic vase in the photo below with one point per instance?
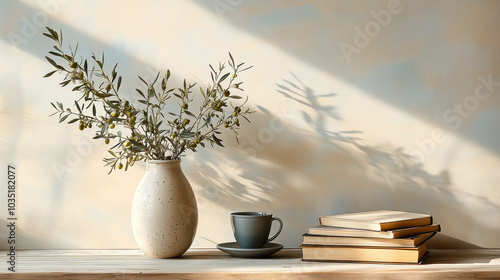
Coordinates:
(164, 211)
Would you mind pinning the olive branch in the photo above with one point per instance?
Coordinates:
(150, 134)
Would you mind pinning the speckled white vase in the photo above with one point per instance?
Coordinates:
(164, 211)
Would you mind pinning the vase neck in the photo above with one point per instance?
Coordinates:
(160, 161)
(163, 164)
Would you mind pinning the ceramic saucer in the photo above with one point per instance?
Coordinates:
(235, 250)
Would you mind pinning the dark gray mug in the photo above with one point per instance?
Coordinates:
(251, 229)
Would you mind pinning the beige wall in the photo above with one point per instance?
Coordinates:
(357, 108)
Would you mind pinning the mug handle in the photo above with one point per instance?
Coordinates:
(279, 230)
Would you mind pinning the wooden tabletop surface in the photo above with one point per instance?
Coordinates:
(214, 264)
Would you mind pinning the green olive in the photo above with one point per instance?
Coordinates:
(132, 121)
(227, 93)
(112, 126)
(73, 65)
(120, 166)
(81, 127)
(108, 87)
(106, 141)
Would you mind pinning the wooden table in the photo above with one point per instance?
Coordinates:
(213, 264)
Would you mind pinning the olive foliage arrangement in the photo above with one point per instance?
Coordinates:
(151, 131)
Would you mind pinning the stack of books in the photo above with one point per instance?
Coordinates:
(377, 236)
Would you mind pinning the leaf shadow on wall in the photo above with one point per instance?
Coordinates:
(303, 172)
(393, 68)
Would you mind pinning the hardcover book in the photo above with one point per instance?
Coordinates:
(377, 220)
(364, 254)
(396, 233)
(412, 241)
